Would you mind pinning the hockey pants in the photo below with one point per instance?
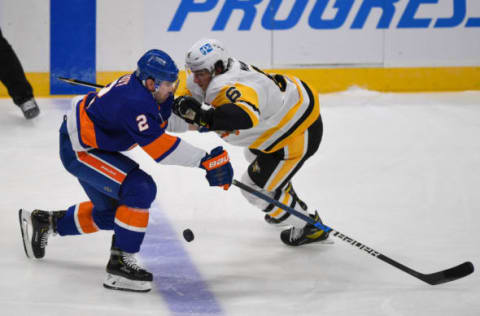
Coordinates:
(120, 195)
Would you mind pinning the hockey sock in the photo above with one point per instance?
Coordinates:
(78, 220)
(130, 226)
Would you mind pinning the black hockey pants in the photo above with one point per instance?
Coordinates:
(12, 75)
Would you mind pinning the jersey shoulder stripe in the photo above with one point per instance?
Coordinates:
(242, 96)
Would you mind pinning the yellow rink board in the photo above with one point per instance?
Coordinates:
(336, 79)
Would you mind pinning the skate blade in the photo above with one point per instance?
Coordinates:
(25, 221)
(325, 242)
(116, 282)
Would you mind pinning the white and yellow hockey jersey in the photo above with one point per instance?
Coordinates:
(279, 110)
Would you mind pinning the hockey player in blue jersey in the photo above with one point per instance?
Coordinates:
(133, 110)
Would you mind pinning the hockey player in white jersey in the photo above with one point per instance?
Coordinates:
(275, 117)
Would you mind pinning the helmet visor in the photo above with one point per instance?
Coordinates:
(168, 84)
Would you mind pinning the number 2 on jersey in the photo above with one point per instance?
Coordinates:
(142, 122)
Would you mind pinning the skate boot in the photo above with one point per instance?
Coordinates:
(123, 272)
(36, 227)
(289, 189)
(308, 234)
(30, 109)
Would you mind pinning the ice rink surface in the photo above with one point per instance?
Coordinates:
(397, 172)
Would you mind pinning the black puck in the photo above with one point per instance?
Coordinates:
(188, 235)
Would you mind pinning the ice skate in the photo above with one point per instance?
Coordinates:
(308, 234)
(123, 272)
(36, 227)
(30, 109)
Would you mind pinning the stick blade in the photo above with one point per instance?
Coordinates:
(66, 80)
(452, 274)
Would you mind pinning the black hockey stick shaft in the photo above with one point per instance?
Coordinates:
(81, 83)
(443, 276)
(94, 85)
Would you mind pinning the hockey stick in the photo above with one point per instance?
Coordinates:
(81, 83)
(439, 277)
(96, 85)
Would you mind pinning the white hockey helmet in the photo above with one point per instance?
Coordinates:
(206, 54)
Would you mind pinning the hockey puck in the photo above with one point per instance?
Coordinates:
(188, 235)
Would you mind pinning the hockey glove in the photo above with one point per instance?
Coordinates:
(191, 111)
(219, 169)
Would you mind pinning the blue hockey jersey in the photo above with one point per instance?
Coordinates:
(122, 115)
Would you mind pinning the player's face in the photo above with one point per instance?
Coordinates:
(162, 90)
(202, 78)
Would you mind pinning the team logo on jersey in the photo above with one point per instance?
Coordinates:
(205, 49)
(108, 189)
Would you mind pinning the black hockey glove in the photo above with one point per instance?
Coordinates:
(191, 111)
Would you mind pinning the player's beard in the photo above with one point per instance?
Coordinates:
(160, 96)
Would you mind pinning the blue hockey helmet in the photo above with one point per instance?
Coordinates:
(157, 65)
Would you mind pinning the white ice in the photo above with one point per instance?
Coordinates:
(398, 172)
